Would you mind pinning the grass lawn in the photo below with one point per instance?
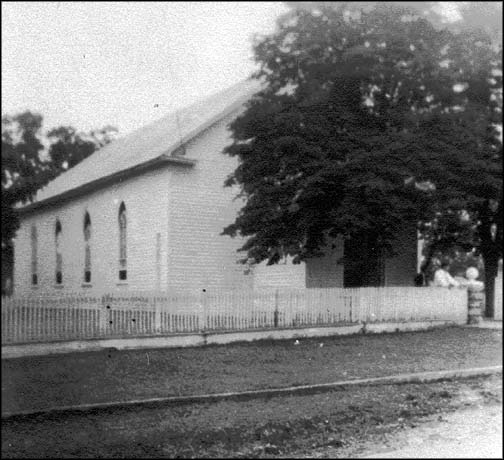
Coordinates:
(41, 382)
(339, 424)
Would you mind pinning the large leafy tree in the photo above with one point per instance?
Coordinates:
(369, 122)
(30, 159)
(454, 16)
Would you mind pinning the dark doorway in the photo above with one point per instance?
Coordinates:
(364, 264)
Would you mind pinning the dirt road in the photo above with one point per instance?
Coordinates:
(469, 433)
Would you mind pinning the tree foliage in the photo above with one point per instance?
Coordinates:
(369, 121)
(69, 147)
(455, 16)
(31, 158)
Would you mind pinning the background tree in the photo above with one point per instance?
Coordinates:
(456, 16)
(369, 122)
(21, 165)
(469, 217)
(69, 147)
(30, 159)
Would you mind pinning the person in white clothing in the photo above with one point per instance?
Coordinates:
(442, 277)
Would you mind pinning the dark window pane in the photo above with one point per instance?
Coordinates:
(59, 278)
(122, 275)
(34, 279)
(87, 277)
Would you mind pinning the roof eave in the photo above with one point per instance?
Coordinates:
(106, 181)
(167, 157)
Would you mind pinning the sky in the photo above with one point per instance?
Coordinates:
(125, 64)
(91, 64)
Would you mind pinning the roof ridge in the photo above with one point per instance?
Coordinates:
(158, 138)
(185, 108)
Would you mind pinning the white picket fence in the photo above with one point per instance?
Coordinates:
(78, 316)
(498, 298)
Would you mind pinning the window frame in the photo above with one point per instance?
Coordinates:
(87, 229)
(34, 256)
(123, 243)
(58, 232)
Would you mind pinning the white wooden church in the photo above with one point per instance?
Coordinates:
(146, 212)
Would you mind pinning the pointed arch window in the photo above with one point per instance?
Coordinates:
(123, 261)
(59, 257)
(34, 250)
(87, 248)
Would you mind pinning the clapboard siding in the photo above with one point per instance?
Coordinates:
(146, 200)
(282, 275)
(200, 257)
(326, 272)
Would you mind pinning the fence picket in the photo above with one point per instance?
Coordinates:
(77, 316)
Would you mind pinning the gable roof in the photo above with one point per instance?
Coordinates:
(146, 147)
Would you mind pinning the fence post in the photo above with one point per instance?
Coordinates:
(475, 299)
(15, 314)
(355, 305)
(275, 314)
(104, 314)
(157, 315)
(201, 311)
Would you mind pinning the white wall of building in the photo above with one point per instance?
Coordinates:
(325, 272)
(146, 199)
(199, 256)
(285, 275)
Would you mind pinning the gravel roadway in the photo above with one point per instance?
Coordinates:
(469, 433)
(469, 427)
(349, 423)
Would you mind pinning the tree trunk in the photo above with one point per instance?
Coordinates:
(491, 261)
(431, 250)
(7, 269)
(491, 250)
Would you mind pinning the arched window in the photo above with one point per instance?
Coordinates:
(87, 248)
(34, 249)
(59, 258)
(123, 273)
